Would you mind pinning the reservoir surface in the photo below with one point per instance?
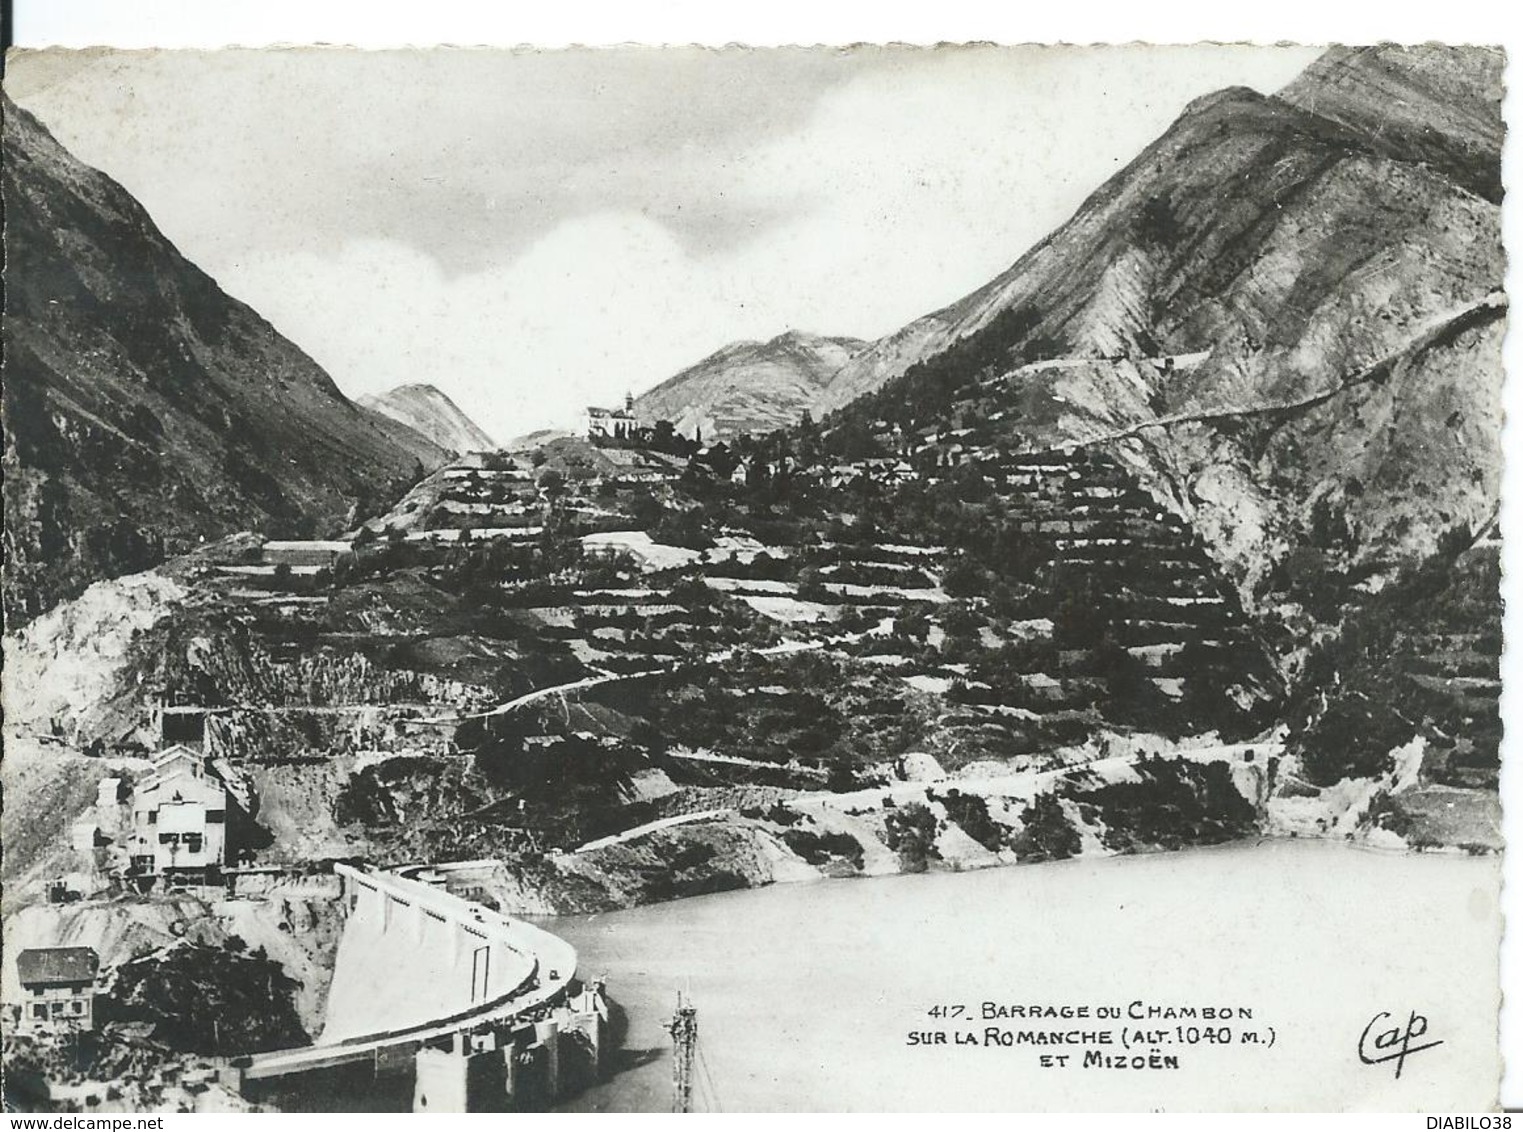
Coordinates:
(807, 994)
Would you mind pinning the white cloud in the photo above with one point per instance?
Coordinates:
(336, 203)
(600, 305)
(933, 175)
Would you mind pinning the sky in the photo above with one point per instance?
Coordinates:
(534, 232)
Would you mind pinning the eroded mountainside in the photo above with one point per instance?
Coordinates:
(427, 410)
(979, 616)
(145, 409)
(1285, 319)
(1285, 314)
(1433, 105)
(749, 386)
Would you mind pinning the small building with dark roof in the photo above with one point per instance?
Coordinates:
(58, 989)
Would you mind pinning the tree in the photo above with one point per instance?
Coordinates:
(682, 528)
(959, 620)
(552, 483)
(208, 1000)
(645, 509)
(962, 577)
(1081, 619)
(810, 585)
(1131, 694)
(841, 778)
(722, 460)
(912, 626)
(971, 812)
(808, 439)
(853, 440)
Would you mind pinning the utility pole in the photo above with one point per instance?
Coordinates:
(684, 1031)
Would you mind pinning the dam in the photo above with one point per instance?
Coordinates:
(484, 1011)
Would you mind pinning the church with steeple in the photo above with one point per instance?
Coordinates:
(612, 424)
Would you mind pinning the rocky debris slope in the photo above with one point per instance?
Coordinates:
(46, 790)
(69, 673)
(1403, 704)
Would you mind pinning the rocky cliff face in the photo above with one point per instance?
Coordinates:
(749, 386)
(1434, 105)
(426, 410)
(145, 409)
(1286, 314)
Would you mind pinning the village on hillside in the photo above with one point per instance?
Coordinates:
(628, 645)
(345, 746)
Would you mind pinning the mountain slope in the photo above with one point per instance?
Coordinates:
(144, 408)
(426, 410)
(1436, 106)
(748, 386)
(1288, 322)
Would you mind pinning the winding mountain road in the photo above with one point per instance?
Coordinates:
(539, 695)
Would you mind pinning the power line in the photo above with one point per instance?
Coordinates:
(708, 1076)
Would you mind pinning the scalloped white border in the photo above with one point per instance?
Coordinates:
(393, 23)
(402, 23)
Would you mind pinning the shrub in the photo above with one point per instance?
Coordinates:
(1353, 737)
(823, 848)
(971, 813)
(216, 1000)
(1046, 834)
(963, 578)
(1174, 803)
(910, 830)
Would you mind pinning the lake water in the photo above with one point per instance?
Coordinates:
(807, 992)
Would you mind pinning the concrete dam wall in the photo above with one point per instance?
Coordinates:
(484, 1011)
(412, 955)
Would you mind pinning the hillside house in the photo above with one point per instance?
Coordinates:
(641, 475)
(612, 424)
(58, 989)
(180, 817)
(886, 471)
(320, 553)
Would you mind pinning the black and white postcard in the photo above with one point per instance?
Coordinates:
(785, 579)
